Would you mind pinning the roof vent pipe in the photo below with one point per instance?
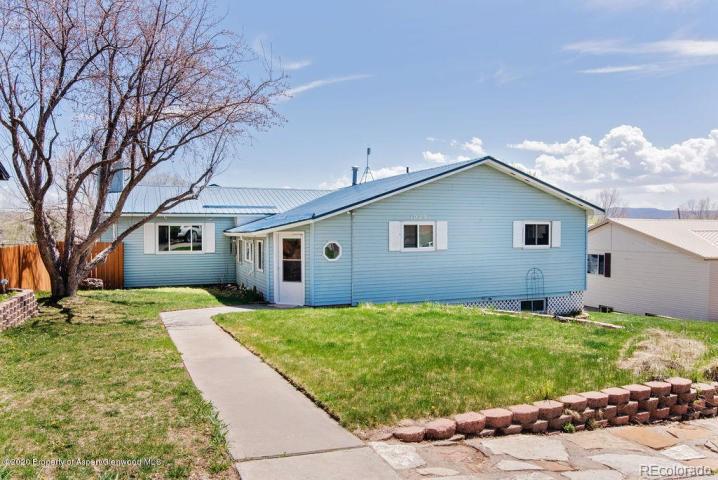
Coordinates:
(407, 169)
(355, 173)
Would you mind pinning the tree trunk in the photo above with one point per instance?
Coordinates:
(64, 285)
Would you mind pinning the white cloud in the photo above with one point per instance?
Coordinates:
(597, 47)
(674, 47)
(616, 69)
(434, 157)
(686, 48)
(660, 188)
(296, 65)
(293, 92)
(475, 146)
(340, 182)
(646, 175)
(631, 4)
(262, 47)
(345, 181)
(625, 156)
(388, 172)
(503, 75)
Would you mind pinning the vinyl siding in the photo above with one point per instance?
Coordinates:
(249, 275)
(154, 270)
(331, 280)
(648, 276)
(480, 206)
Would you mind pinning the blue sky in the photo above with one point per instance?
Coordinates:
(426, 81)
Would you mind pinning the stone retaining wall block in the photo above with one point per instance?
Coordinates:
(497, 417)
(549, 409)
(440, 429)
(638, 392)
(470, 422)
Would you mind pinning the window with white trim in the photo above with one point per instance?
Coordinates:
(178, 238)
(596, 264)
(238, 250)
(418, 236)
(259, 264)
(537, 235)
(332, 251)
(248, 251)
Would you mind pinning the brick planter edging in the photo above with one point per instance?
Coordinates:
(674, 399)
(17, 309)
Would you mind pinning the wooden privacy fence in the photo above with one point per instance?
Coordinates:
(22, 266)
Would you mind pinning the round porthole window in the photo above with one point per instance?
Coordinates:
(332, 251)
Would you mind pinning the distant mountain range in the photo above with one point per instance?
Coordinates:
(628, 212)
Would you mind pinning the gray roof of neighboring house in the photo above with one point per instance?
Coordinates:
(355, 195)
(4, 175)
(216, 200)
(698, 237)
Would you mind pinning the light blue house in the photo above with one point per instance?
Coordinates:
(477, 232)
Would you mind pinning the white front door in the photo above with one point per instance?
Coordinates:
(290, 268)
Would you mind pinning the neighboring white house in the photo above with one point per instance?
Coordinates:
(658, 267)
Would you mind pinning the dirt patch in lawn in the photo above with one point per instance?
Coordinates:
(660, 353)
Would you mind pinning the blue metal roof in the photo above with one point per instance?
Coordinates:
(216, 200)
(354, 195)
(348, 196)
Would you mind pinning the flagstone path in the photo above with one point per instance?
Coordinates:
(686, 450)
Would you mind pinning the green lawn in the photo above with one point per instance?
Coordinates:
(6, 296)
(374, 365)
(101, 379)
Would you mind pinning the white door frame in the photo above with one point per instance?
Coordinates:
(277, 264)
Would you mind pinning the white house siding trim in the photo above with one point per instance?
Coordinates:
(647, 276)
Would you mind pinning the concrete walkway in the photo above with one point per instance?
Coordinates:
(274, 432)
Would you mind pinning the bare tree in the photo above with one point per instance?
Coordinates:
(610, 201)
(93, 88)
(703, 208)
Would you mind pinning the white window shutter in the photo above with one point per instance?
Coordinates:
(442, 235)
(394, 236)
(208, 238)
(555, 234)
(150, 242)
(518, 234)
